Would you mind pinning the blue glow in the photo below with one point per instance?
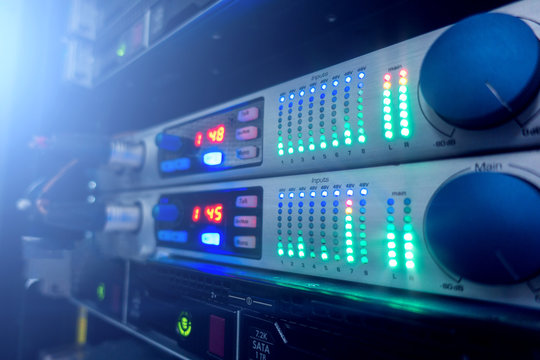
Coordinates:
(210, 238)
(324, 193)
(281, 195)
(291, 195)
(312, 194)
(335, 83)
(363, 191)
(390, 201)
(312, 90)
(323, 86)
(291, 96)
(350, 192)
(173, 165)
(282, 99)
(336, 192)
(302, 194)
(361, 75)
(174, 236)
(213, 158)
(348, 79)
(302, 92)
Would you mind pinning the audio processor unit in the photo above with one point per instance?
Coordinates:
(462, 227)
(467, 89)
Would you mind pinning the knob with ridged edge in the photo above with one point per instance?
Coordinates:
(484, 227)
(482, 71)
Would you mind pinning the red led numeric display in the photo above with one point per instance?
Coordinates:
(214, 213)
(198, 139)
(196, 215)
(216, 135)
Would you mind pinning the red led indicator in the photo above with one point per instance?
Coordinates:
(196, 215)
(198, 139)
(387, 77)
(348, 202)
(214, 213)
(216, 134)
(403, 73)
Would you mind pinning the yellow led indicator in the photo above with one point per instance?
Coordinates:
(183, 325)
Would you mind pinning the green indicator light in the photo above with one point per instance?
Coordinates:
(100, 291)
(348, 226)
(391, 245)
(363, 235)
(390, 218)
(404, 123)
(388, 126)
(390, 236)
(409, 255)
(403, 114)
(363, 251)
(280, 252)
(301, 148)
(362, 218)
(324, 256)
(323, 248)
(405, 132)
(409, 264)
(300, 246)
(386, 101)
(363, 243)
(387, 117)
(348, 218)
(403, 106)
(407, 236)
(349, 251)
(337, 257)
(290, 150)
(402, 89)
(407, 227)
(407, 218)
(387, 109)
(402, 97)
(362, 139)
(392, 254)
(350, 259)
(301, 254)
(121, 51)
(362, 226)
(386, 93)
(311, 147)
(281, 152)
(323, 145)
(335, 143)
(279, 245)
(290, 253)
(183, 325)
(347, 133)
(280, 146)
(390, 227)
(312, 255)
(348, 234)
(348, 141)
(408, 246)
(392, 262)
(388, 135)
(364, 259)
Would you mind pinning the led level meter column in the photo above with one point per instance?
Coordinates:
(408, 236)
(403, 104)
(387, 107)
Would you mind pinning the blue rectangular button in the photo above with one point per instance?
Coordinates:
(174, 236)
(213, 158)
(210, 238)
(173, 165)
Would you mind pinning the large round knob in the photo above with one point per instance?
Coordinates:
(484, 227)
(482, 71)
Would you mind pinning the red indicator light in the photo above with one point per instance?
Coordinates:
(387, 77)
(403, 73)
(348, 202)
(216, 134)
(198, 139)
(214, 213)
(196, 215)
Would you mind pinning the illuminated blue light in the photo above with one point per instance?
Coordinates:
(324, 193)
(323, 86)
(302, 194)
(348, 79)
(336, 192)
(363, 191)
(282, 99)
(213, 158)
(312, 90)
(302, 92)
(174, 236)
(361, 75)
(291, 195)
(210, 238)
(312, 194)
(335, 83)
(350, 192)
(281, 195)
(291, 96)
